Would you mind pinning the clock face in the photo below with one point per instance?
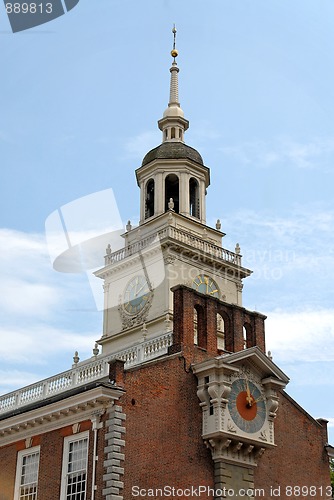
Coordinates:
(205, 284)
(136, 295)
(247, 405)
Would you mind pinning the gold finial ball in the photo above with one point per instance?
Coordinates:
(174, 53)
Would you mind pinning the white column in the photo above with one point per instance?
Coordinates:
(184, 194)
(142, 202)
(159, 194)
(202, 202)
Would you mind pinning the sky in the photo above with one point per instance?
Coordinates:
(80, 100)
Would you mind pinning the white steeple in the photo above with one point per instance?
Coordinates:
(173, 124)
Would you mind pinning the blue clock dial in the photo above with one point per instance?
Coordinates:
(247, 406)
(136, 295)
(205, 284)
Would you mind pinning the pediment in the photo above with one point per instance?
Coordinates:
(257, 360)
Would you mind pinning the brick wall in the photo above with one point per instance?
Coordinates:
(7, 472)
(153, 437)
(164, 444)
(50, 468)
(299, 458)
(237, 321)
(163, 428)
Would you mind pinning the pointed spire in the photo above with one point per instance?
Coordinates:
(173, 124)
(174, 81)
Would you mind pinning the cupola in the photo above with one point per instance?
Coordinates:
(173, 176)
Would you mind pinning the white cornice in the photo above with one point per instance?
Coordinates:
(168, 165)
(66, 411)
(261, 361)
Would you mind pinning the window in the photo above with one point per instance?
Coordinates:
(220, 332)
(74, 477)
(247, 335)
(194, 198)
(172, 191)
(27, 474)
(201, 327)
(149, 208)
(244, 335)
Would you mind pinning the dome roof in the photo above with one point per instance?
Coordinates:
(172, 150)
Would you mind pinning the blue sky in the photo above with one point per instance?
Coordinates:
(80, 99)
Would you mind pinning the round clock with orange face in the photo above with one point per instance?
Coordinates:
(247, 405)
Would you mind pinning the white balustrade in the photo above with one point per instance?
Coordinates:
(178, 235)
(156, 346)
(83, 373)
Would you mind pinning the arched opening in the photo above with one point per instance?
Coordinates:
(220, 332)
(244, 335)
(172, 191)
(225, 337)
(194, 198)
(201, 329)
(149, 200)
(247, 332)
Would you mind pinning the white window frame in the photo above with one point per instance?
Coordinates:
(67, 441)
(19, 463)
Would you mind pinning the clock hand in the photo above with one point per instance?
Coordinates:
(249, 398)
(140, 289)
(262, 398)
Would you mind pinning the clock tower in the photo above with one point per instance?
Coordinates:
(172, 245)
(183, 401)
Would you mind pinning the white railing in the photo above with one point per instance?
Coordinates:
(84, 372)
(136, 247)
(178, 235)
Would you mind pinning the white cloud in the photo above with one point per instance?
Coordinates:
(204, 130)
(29, 285)
(35, 307)
(284, 247)
(293, 262)
(137, 147)
(315, 154)
(13, 379)
(36, 300)
(40, 341)
(26, 284)
(301, 336)
(22, 297)
(296, 226)
(330, 422)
